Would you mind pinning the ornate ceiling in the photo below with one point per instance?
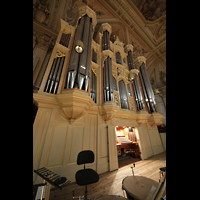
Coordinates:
(138, 22)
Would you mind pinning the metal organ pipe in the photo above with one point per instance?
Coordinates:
(50, 74)
(136, 87)
(147, 86)
(145, 94)
(107, 70)
(123, 96)
(83, 56)
(87, 74)
(79, 67)
(108, 40)
(73, 65)
(93, 86)
(58, 74)
(110, 79)
(54, 75)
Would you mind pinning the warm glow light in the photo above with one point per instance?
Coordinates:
(78, 49)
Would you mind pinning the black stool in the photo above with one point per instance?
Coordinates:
(86, 176)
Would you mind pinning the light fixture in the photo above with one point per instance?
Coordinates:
(79, 46)
(132, 74)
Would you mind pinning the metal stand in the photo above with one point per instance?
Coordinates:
(50, 178)
(84, 197)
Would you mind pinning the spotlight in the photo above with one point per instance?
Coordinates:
(79, 46)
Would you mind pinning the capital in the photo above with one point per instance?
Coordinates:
(128, 47)
(87, 10)
(139, 60)
(104, 27)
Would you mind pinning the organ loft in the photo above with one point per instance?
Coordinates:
(92, 92)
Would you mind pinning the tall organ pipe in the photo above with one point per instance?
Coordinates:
(148, 88)
(145, 94)
(54, 75)
(107, 70)
(88, 57)
(83, 56)
(136, 87)
(50, 74)
(79, 67)
(73, 65)
(110, 79)
(58, 74)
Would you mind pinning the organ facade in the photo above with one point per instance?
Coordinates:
(82, 97)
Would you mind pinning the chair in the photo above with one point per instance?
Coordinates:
(86, 176)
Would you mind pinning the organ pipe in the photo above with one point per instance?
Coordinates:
(79, 68)
(145, 94)
(73, 65)
(106, 40)
(54, 75)
(123, 96)
(147, 89)
(93, 86)
(108, 80)
(89, 57)
(107, 70)
(136, 87)
(65, 38)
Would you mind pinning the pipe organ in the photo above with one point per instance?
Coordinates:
(78, 70)
(82, 98)
(78, 74)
